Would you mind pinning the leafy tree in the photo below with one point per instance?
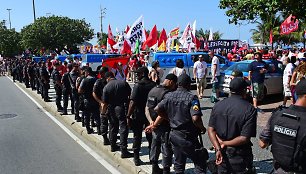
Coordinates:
(251, 10)
(205, 34)
(9, 42)
(103, 40)
(56, 32)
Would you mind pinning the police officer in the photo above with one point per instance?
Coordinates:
(97, 94)
(67, 91)
(231, 125)
(81, 96)
(160, 135)
(286, 132)
(56, 76)
(37, 78)
(26, 75)
(31, 75)
(137, 109)
(91, 107)
(72, 77)
(44, 77)
(182, 108)
(115, 95)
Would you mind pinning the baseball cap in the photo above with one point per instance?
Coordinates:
(184, 80)
(237, 73)
(301, 87)
(142, 70)
(172, 77)
(238, 84)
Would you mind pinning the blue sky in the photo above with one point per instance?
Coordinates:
(166, 14)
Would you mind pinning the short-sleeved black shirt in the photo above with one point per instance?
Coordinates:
(56, 76)
(116, 92)
(180, 106)
(98, 87)
(87, 86)
(140, 94)
(255, 67)
(233, 117)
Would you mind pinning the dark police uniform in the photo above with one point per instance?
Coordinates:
(26, 75)
(116, 94)
(160, 135)
(72, 77)
(31, 74)
(286, 131)
(180, 106)
(44, 77)
(139, 121)
(233, 117)
(81, 98)
(37, 79)
(67, 93)
(56, 76)
(98, 90)
(91, 106)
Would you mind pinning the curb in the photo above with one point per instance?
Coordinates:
(117, 161)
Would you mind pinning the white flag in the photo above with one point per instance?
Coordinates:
(210, 35)
(136, 32)
(194, 27)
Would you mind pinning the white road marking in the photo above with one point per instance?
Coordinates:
(108, 166)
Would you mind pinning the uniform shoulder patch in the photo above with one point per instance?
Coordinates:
(195, 104)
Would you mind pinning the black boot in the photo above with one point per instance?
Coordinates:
(166, 170)
(89, 131)
(125, 153)
(115, 148)
(137, 160)
(156, 169)
(106, 140)
(99, 130)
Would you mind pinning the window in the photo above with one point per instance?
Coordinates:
(244, 67)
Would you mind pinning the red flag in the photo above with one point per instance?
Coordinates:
(271, 37)
(198, 43)
(291, 24)
(162, 38)
(126, 49)
(146, 33)
(152, 39)
(206, 46)
(110, 38)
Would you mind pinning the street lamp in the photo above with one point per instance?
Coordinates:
(9, 10)
(34, 10)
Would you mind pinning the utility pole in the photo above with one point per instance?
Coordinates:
(9, 11)
(102, 10)
(34, 10)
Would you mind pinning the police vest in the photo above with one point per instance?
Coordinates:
(288, 129)
(155, 96)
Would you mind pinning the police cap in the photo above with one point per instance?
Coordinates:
(142, 70)
(301, 87)
(172, 77)
(103, 70)
(184, 80)
(109, 75)
(238, 84)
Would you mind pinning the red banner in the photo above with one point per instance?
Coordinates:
(112, 62)
(291, 24)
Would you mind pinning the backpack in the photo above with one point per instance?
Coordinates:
(289, 140)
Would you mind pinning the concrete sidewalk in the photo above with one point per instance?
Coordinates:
(97, 140)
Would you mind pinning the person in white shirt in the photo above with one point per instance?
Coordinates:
(215, 73)
(288, 71)
(179, 69)
(199, 73)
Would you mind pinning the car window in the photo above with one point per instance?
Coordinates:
(275, 68)
(244, 67)
(207, 58)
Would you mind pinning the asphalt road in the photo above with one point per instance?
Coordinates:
(31, 143)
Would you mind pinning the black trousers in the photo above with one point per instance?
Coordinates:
(91, 113)
(76, 103)
(104, 125)
(117, 119)
(58, 97)
(26, 81)
(160, 143)
(236, 160)
(38, 88)
(138, 125)
(66, 95)
(32, 83)
(45, 88)
(184, 146)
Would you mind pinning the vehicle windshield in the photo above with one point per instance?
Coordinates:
(244, 67)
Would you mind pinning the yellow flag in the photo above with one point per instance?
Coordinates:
(162, 47)
(177, 47)
(172, 44)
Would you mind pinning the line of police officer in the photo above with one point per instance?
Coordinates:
(175, 116)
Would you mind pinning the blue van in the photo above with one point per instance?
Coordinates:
(167, 62)
(94, 60)
(38, 59)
